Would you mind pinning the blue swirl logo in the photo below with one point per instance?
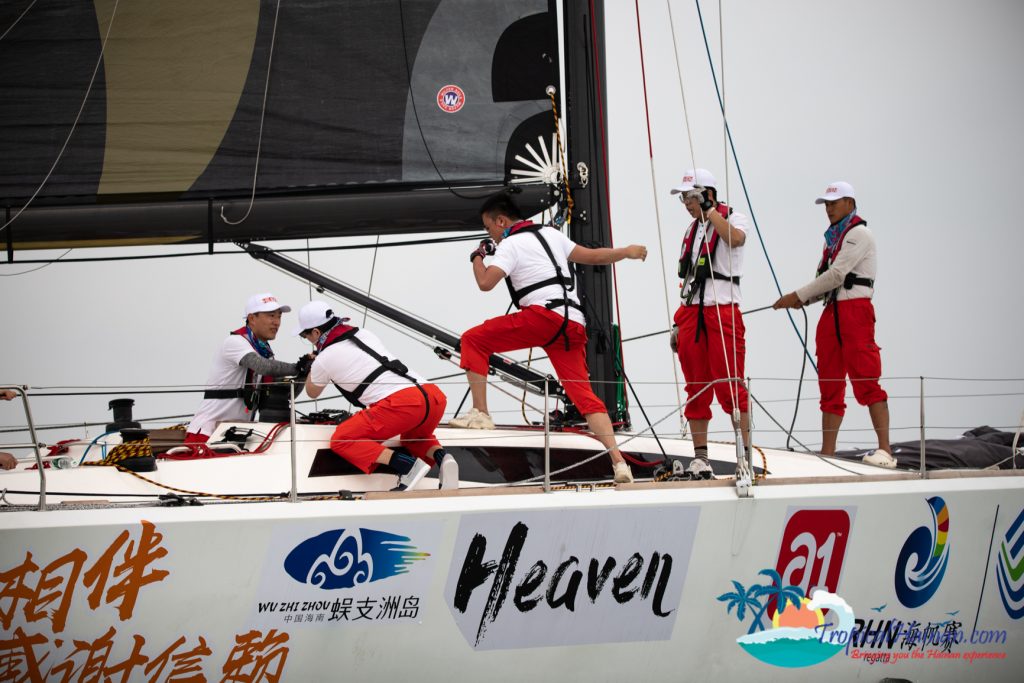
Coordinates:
(343, 558)
(1010, 569)
(922, 562)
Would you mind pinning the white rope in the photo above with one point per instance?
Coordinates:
(259, 142)
(74, 125)
(679, 74)
(20, 16)
(657, 218)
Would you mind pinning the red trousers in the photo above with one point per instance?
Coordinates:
(858, 356)
(708, 358)
(195, 437)
(358, 439)
(533, 326)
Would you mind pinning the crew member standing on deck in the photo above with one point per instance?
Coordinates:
(845, 339)
(534, 262)
(397, 401)
(709, 335)
(243, 362)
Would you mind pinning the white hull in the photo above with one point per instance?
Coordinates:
(238, 580)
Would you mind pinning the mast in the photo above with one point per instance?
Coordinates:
(590, 225)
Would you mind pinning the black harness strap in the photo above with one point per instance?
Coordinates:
(223, 393)
(703, 271)
(567, 284)
(392, 365)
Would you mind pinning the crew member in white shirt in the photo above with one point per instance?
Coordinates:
(845, 338)
(709, 336)
(535, 260)
(397, 402)
(243, 362)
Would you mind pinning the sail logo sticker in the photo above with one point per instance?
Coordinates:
(344, 558)
(451, 98)
(569, 577)
(1010, 568)
(922, 561)
(813, 548)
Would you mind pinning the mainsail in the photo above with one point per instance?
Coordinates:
(144, 123)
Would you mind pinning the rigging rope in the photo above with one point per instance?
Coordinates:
(263, 113)
(743, 183)
(74, 126)
(657, 210)
(20, 17)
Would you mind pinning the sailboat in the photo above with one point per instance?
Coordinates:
(270, 560)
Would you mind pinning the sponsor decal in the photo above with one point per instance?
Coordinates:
(566, 577)
(922, 561)
(1010, 568)
(451, 98)
(813, 548)
(349, 576)
(343, 558)
(792, 637)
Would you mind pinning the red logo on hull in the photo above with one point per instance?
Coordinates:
(812, 550)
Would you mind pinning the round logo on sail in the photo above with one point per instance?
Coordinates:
(451, 98)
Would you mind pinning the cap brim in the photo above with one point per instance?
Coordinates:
(681, 189)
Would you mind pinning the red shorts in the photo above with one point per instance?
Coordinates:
(533, 326)
(708, 358)
(858, 356)
(358, 439)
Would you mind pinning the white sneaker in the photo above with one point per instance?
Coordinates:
(408, 481)
(623, 475)
(474, 419)
(448, 472)
(881, 459)
(700, 468)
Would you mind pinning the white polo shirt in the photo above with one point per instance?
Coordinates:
(727, 261)
(225, 373)
(345, 364)
(524, 260)
(857, 254)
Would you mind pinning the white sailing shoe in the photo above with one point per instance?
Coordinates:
(448, 472)
(881, 459)
(408, 481)
(623, 475)
(700, 468)
(474, 419)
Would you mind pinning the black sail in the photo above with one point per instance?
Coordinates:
(362, 117)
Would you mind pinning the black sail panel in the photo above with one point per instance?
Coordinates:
(379, 117)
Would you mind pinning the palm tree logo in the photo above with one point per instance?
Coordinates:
(760, 597)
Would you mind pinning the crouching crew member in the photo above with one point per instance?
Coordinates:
(396, 400)
(243, 363)
(845, 339)
(709, 335)
(534, 262)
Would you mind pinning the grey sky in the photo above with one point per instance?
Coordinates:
(917, 104)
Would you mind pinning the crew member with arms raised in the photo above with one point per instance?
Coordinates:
(534, 262)
(845, 338)
(708, 335)
(396, 400)
(243, 362)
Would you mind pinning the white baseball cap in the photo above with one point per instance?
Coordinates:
(314, 314)
(262, 303)
(699, 177)
(836, 190)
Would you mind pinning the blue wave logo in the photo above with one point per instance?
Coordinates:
(344, 558)
(922, 562)
(1010, 569)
